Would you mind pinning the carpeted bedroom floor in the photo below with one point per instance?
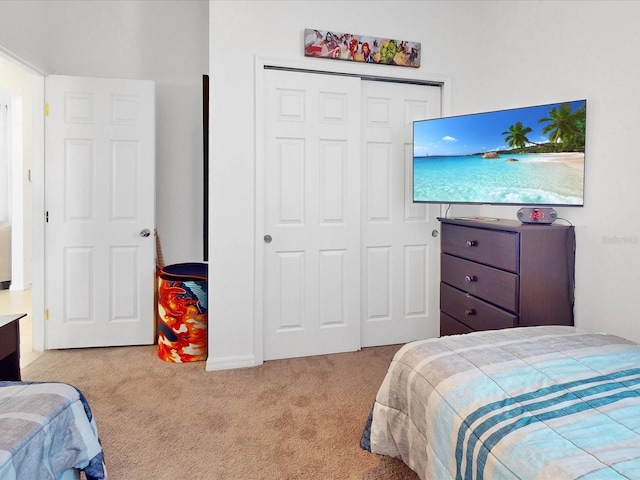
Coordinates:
(287, 419)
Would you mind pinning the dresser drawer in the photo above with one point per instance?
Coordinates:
(9, 335)
(495, 286)
(450, 326)
(491, 247)
(473, 312)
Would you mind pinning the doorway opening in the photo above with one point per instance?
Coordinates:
(22, 187)
(15, 296)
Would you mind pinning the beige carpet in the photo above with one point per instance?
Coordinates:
(287, 419)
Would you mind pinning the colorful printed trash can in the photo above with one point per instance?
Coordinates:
(182, 312)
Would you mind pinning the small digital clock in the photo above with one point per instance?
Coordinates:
(545, 216)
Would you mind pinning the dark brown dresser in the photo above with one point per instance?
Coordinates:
(501, 273)
(10, 347)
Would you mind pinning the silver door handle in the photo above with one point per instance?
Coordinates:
(145, 232)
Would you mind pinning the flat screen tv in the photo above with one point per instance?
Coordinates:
(523, 156)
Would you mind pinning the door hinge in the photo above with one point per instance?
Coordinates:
(46, 314)
(46, 109)
(46, 216)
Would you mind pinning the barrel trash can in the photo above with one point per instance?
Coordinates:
(182, 312)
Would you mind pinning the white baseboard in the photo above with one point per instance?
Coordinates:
(18, 287)
(228, 363)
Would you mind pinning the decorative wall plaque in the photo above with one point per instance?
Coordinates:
(361, 48)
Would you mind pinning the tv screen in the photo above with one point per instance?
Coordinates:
(523, 156)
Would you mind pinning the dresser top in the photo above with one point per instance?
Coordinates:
(6, 319)
(492, 223)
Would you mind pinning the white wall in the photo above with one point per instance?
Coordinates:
(535, 52)
(499, 55)
(5, 156)
(163, 41)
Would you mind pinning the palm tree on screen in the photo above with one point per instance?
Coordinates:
(565, 127)
(516, 136)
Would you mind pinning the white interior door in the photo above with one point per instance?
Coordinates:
(311, 214)
(99, 201)
(401, 265)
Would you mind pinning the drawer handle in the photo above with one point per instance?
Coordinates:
(470, 311)
(471, 278)
(472, 243)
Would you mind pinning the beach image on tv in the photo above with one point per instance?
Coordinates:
(523, 156)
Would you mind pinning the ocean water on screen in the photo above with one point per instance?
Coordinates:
(532, 179)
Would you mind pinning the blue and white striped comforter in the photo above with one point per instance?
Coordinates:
(45, 430)
(526, 403)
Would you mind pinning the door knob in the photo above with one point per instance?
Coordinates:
(145, 232)
(267, 239)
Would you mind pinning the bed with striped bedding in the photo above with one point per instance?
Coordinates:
(47, 431)
(547, 402)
